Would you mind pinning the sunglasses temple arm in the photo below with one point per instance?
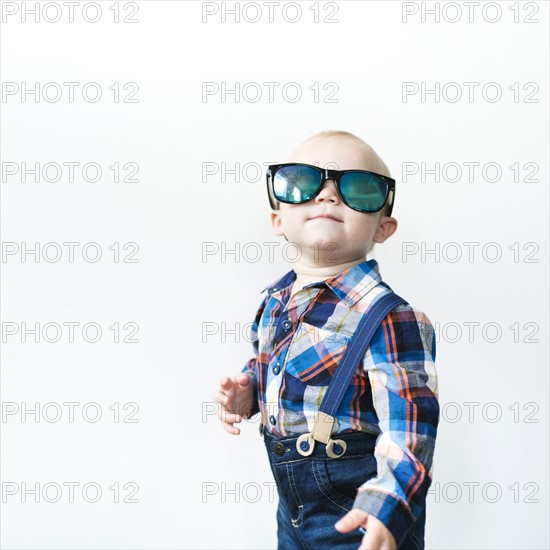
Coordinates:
(391, 198)
(273, 202)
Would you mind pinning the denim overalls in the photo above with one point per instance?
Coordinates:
(317, 477)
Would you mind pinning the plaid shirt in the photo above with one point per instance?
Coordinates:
(393, 393)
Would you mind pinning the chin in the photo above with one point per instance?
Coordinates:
(324, 242)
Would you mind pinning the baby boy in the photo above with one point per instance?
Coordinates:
(357, 478)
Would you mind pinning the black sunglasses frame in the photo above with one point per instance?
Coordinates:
(326, 174)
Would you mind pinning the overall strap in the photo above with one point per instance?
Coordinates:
(325, 419)
(356, 349)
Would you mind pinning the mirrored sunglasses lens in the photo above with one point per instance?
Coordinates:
(364, 191)
(296, 183)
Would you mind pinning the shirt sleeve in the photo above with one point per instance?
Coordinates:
(250, 367)
(400, 363)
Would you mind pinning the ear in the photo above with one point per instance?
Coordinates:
(277, 222)
(387, 226)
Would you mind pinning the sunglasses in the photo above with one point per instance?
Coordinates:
(296, 183)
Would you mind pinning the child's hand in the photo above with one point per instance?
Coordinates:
(377, 537)
(235, 398)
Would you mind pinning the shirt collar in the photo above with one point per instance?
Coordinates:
(349, 286)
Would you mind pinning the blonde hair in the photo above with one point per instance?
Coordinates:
(381, 166)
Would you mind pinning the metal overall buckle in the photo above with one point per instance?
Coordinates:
(322, 428)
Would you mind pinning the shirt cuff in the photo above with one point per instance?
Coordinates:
(388, 509)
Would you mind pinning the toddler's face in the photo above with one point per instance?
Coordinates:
(347, 234)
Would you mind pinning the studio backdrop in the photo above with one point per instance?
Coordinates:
(136, 241)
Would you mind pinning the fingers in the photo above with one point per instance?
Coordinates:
(243, 380)
(230, 418)
(225, 412)
(224, 397)
(230, 429)
(352, 520)
(230, 389)
(227, 386)
(226, 383)
(377, 536)
(227, 397)
(226, 393)
(374, 542)
(221, 399)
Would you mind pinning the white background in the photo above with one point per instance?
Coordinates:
(178, 455)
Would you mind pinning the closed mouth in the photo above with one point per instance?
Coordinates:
(325, 216)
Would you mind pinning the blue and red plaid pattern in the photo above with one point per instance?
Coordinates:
(393, 394)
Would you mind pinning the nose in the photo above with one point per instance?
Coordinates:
(328, 192)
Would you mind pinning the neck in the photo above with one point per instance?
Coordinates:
(308, 273)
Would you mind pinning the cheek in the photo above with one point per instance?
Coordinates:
(291, 215)
(359, 224)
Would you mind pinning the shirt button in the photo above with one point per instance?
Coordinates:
(279, 449)
(287, 325)
(273, 420)
(276, 369)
